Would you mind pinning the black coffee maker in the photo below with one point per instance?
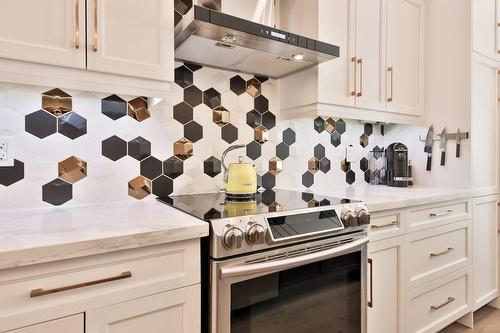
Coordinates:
(398, 172)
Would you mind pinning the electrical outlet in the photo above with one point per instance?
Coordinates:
(6, 151)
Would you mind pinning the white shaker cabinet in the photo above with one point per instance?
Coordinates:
(486, 28)
(71, 324)
(43, 31)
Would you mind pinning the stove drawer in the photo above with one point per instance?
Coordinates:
(437, 304)
(385, 224)
(428, 216)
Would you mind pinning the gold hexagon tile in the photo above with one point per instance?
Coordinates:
(220, 116)
(57, 102)
(275, 165)
(138, 109)
(261, 134)
(312, 203)
(183, 149)
(363, 140)
(330, 125)
(139, 187)
(72, 169)
(275, 207)
(253, 87)
(313, 165)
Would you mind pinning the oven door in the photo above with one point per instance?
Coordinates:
(292, 290)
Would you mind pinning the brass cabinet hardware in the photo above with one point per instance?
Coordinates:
(43, 292)
(441, 214)
(360, 62)
(375, 226)
(442, 252)
(498, 24)
(95, 27)
(77, 24)
(370, 302)
(391, 73)
(436, 307)
(353, 60)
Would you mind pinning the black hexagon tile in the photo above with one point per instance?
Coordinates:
(138, 109)
(139, 148)
(268, 120)
(114, 148)
(368, 176)
(378, 152)
(11, 174)
(363, 164)
(139, 187)
(72, 125)
(192, 67)
(212, 166)
(344, 165)
(253, 87)
(183, 112)
(229, 133)
(237, 85)
(193, 131)
(340, 126)
(173, 167)
(183, 76)
(261, 104)
(289, 136)
(282, 150)
(319, 151)
(324, 165)
(319, 124)
(368, 129)
(211, 98)
(220, 116)
(268, 197)
(324, 202)
(350, 177)
(151, 167)
(40, 123)
(261, 79)
(363, 140)
(163, 186)
(254, 150)
(193, 96)
(335, 139)
(177, 17)
(212, 213)
(56, 102)
(307, 179)
(254, 119)
(114, 107)
(306, 196)
(268, 180)
(57, 192)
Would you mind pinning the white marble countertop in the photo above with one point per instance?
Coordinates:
(43, 235)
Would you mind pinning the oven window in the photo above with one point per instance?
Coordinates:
(319, 297)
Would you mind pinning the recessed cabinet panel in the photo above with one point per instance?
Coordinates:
(485, 27)
(72, 324)
(43, 31)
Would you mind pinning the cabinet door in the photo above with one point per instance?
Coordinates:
(385, 286)
(73, 324)
(370, 54)
(176, 311)
(405, 56)
(484, 125)
(43, 31)
(484, 233)
(485, 27)
(131, 37)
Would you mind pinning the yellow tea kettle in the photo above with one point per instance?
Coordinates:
(240, 179)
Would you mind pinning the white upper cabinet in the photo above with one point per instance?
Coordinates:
(131, 37)
(405, 56)
(485, 27)
(44, 31)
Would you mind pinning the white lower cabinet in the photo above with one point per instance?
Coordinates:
(72, 324)
(385, 303)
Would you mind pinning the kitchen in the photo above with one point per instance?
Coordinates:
(249, 166)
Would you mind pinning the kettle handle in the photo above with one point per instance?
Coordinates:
(224, 156)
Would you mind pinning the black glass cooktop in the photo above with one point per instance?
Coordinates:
(216, 205)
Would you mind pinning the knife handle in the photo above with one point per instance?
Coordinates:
(429, 161)
(458, 149)
(443, 157)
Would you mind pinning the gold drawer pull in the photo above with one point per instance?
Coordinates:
(437, 307)
(441, 214)
(370, 302)
(375, 226)
(442, 252)
(391, 73)
(353, 92)
(360, 62)
(42, 292)
(77, 24)
(96, 34)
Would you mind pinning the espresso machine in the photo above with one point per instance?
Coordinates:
(398, 172)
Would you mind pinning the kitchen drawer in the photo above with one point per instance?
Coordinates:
(386, 224)
(71, 324)
(436, 252)
(41, 292)
(428, 216)
(439, 303)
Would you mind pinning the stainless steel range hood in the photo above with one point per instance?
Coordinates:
(207, 36)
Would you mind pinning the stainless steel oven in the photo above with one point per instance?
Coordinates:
(310, 287)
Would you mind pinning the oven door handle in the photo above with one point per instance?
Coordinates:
(291, 262)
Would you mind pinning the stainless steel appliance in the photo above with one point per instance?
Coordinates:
(294, 262)
(207, 36)
(397, 173)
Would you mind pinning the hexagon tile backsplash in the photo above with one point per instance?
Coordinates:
(74, 147)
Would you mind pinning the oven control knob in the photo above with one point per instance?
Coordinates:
(232, 237)
(362, 215)
(256, 233)
(349, 218)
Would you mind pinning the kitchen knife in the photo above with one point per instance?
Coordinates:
(428, 147)
(458, 143)
(442, 145)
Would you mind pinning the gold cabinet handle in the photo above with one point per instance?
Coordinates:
(43, 292)
(441, 214)
(77, 24)
(95, 27)
(391, 73)
(360, 62)
(436, 307)
(353, 60)
(442, 252)
(370, 302)
(375, 226)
